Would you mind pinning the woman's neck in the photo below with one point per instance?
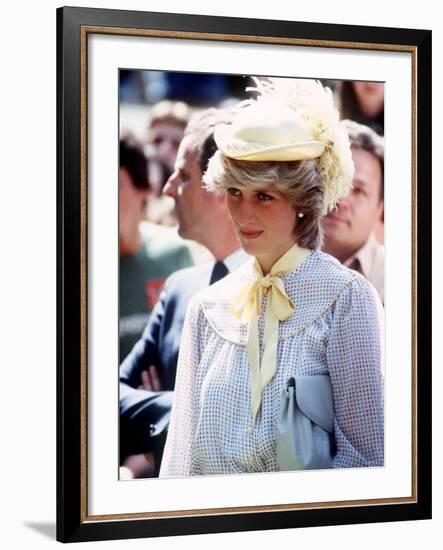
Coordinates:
(268, 260)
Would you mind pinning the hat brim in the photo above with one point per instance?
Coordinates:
(255, 151)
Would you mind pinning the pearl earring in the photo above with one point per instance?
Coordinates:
(300, 215)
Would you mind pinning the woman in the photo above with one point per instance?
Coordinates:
(292, 312)
(363, 102)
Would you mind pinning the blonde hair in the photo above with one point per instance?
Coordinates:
(299, 180)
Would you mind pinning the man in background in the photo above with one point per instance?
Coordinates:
(165, 130)
(147, 376)
(349, 228)
(166, 127)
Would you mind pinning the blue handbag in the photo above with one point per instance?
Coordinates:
(305, 428)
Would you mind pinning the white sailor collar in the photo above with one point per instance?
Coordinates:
(313, 286)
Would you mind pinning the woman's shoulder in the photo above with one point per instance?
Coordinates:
(340, 280)
(317, 286)
(323, 266)
(319, 276)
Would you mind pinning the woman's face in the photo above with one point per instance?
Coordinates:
(264, 220)
(370, 97)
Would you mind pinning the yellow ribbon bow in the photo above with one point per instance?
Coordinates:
(247, 308)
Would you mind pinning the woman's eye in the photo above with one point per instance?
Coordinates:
(234, 191)
(264, 197)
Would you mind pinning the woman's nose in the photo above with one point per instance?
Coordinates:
(246, 211)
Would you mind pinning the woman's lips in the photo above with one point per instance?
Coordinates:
(250, 234)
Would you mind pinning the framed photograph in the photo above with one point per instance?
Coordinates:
(114, 68)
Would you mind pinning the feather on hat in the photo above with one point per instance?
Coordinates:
(292, 119)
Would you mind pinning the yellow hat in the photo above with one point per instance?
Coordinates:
(292, 119)
(268, 131)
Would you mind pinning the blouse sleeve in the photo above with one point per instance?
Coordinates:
(355, 363)
(177, 455)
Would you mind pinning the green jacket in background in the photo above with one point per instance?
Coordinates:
(142, 278)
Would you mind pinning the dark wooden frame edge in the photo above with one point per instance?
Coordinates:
(72, 526)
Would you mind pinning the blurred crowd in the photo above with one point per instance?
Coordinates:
(176, 238)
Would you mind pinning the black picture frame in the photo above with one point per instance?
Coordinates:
(73, 25)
